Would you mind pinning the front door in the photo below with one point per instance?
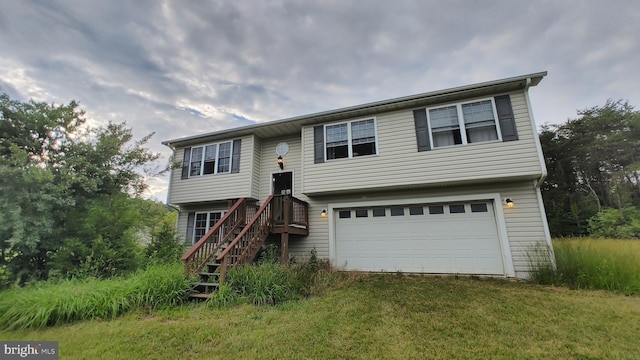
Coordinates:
(282, 183)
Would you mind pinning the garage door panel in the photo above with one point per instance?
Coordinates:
(432, 243)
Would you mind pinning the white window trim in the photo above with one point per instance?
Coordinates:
(293, 181)
(349, 140)
(463, 133)
(195, 217)
(215, 169)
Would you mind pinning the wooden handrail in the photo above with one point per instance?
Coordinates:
(244, 247)
(200, 253)
(277, 211)
(291, 211)
(246, 228)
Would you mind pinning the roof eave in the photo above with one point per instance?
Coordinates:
(285, 125)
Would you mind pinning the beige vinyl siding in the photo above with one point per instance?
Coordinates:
(318, 237)
(524, 223)
(398, 163)
(525, 227)
(256, 175)
(181, 228)
(215, 186)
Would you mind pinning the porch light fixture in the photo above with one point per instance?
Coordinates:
(281, 162)
(509, 202)
(323, 213)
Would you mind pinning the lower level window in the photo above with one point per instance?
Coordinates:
(203, 222)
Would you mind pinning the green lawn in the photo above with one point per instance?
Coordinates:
(380, 316)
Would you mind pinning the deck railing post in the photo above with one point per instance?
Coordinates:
(223, 269)
(287, 211)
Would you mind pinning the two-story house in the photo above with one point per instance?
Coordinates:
(440, 182)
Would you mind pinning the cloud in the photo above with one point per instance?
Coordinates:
(182, 68)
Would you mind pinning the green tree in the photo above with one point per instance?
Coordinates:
(593, 164)
(67, 192)
(165, 246)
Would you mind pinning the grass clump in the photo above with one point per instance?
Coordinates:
(50, 303)
(268, 282)
(599, 264)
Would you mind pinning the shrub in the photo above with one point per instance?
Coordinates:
(616, 224)
(312, 277)
(164, 246)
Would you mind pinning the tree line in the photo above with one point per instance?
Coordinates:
(70, 200)
(593, 164)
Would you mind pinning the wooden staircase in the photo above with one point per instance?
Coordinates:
(239, 235)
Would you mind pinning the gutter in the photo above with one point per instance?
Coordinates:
(543, 166)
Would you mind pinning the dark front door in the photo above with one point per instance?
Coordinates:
(283, 183)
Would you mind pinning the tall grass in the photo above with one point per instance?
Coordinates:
(45, 304)
(584, 263)
(268, 282)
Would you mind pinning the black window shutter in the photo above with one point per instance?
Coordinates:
(191, 219)
(422, 131)
(506, 118)
(185, 163)
(235, 158)
(318, 144)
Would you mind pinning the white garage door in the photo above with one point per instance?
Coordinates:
(457, 238)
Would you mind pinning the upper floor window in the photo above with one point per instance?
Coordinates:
(350, 139)
(205, 158)
(210, 159)
(469, 122)
(463, 123)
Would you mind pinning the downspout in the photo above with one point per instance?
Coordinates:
(536, 139)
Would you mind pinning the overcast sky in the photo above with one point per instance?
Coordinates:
(179, 68)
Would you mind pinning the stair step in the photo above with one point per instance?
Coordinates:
(212, 267)
(209, 274)
(205, 284)
(209, 277)
(200, 296)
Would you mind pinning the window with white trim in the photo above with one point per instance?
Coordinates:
(350, 139)
(210, 159)
(464, 123)
(203, 222)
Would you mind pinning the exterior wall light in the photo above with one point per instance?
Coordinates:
(509, 202)
(323, 213)
(281, 162)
